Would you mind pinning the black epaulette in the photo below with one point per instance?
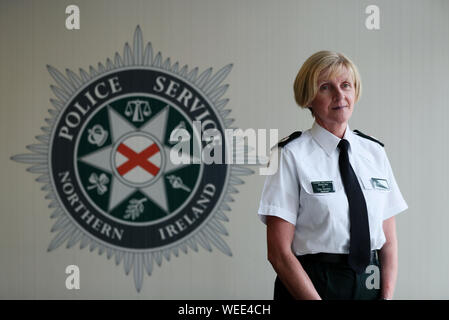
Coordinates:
(285, 140)
(361, 134)
(290, 138)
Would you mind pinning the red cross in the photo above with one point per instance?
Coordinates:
(138, 159)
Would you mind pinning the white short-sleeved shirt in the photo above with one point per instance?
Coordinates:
(307, 190)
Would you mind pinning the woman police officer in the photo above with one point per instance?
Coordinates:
(330, 206)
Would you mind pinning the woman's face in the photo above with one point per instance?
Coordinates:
(334, 101)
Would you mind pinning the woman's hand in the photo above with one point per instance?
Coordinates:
(389, 259)
(279, 240)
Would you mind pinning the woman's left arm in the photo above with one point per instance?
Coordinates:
(389, 259)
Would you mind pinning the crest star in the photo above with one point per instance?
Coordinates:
(102, 159)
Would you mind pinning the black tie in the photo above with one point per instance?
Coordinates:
(359, 244)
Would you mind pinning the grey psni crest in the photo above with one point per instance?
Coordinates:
(104, 159)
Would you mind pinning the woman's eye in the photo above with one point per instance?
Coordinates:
(346, 85)
(324, 87)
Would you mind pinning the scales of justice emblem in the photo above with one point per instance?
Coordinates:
(105, 159)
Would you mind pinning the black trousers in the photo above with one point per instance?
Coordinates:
(337, 281)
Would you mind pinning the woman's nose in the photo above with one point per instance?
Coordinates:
(338, 94)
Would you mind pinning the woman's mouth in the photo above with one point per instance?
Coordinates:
(338, 107)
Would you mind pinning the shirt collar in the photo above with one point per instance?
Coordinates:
(329, 141)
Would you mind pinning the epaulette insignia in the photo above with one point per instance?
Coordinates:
(286, 140)
(290, 138)
(361, 134)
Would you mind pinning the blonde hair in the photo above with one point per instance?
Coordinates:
(329, 62)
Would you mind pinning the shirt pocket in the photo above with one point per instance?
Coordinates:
(377, 183)
(375, 189)
(318, 209)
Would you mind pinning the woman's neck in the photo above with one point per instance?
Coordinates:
(337, 129)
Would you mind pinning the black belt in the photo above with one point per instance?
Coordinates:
(332, 257)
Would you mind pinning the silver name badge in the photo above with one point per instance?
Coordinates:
(380, 184)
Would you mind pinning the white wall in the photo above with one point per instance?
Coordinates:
(404, 68)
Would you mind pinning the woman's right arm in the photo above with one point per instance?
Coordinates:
(279, 240)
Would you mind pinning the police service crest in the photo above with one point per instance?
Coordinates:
(105, 159)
